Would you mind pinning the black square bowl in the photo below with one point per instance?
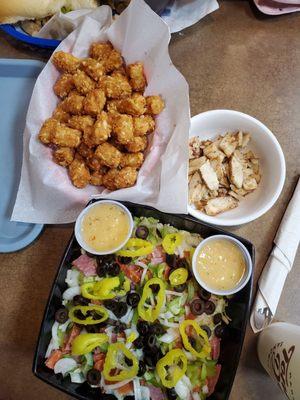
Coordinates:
(238, 310)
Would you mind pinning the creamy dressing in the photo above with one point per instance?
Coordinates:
(105, 227)
(221, 264)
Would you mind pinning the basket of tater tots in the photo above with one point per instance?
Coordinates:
(109, 116)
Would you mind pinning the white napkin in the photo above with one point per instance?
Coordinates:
(46, 194)
(280, 262)
(178, 15)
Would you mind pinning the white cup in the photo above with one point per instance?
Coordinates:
(279, 352)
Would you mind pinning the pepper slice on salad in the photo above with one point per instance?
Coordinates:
(105, 289)
(146, 310)
(171, 367)
(206, 348)
(171, 241)
(135, 248)
(179, 276)
(86, 342)
(119, 355)
(86, 311)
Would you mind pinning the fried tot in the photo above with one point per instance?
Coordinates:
(134, 160)
(99, 132)
(108, 155)
(60, 115)
(112, 105)
(73, 104)
(118, 179)
(143, 125)
(93, 163)
(65, 62)
(83, 83)
(155, 104)
(113, 61)
(94, 102)
(63, 85)
(122, 126)
(47, 129)
(137, 77)
(97, 178)
(85, 151)
(95, 69)
(100, 51)
(64, 156)
(80, 122)
(66, 137)
(115, 86)
(78, 172)
(134, 105)
(138, 143)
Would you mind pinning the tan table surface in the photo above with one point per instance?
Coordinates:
(230, 59)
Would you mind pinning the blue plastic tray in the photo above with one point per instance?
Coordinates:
(17, 78)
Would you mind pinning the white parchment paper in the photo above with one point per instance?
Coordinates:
(46, 194)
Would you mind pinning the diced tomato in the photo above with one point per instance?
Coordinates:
(126, 389)
(167, 272)
(96, 302)
(99, 360)
(75, 331)
(190, 316)
(196, 389)
(212, 381)
(133, 272)
(215, 348)
(53, 358)
(186, 254)
(178, 344)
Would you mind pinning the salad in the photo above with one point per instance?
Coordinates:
(136, 324)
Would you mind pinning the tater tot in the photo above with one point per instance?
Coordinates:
(113, 61)
(47, 130)
(60, 115)
(155, 104)
(136, 76)
(118, 179)
(138, 143)
(108, 155)
(73, 104)
(94, 102)
(99, 132)
(96, 178)
(95, 69)
(66, 137)
(65, 62)
(83, 82)
(63, 85)
(134, 160)
(80, 121)
(134, 105)
(64, 156)
(93, 163)
(115, 86)
(112, 105)
(122, 126)
(143, 125)
(84, 150)
(100, 51)
(79, 173)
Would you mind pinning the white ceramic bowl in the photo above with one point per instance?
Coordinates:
(209, 125)
(247, 257)
(78, 223)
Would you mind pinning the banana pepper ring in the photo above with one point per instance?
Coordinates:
(86, 342)
(112, 360)
(135, 248)
(86, 310)
(171, 241)
(171, 367)
(206, 348)
(178, 276)
(104, 289)
(150, 313)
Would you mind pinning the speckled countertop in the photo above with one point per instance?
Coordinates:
(231, 59)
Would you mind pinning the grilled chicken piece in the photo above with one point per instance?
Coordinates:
(236, 172)
(195, 164)
(209, 176)
(220, 204)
